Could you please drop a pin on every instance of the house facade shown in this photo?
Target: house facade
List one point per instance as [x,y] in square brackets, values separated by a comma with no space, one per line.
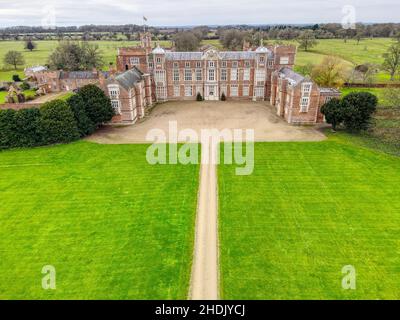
[261,74]
[298,99]
[57,81]
[130,93]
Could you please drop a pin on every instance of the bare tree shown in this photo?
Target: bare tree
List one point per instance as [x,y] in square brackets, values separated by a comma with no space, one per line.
[392,60]
[14,58]
[330,73]
[307,40]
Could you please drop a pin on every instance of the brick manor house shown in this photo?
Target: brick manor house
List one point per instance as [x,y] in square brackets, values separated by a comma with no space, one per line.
[261,74]
[145,75]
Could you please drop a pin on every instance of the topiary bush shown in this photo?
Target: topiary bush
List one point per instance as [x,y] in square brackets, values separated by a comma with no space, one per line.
[16,78]
[25,86]
[199,97]
[85,125]
[358,108]
[97,104]
[223,97]
[333,112]
[57,123]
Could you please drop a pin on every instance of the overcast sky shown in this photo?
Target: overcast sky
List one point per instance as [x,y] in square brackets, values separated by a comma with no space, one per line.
[191,12]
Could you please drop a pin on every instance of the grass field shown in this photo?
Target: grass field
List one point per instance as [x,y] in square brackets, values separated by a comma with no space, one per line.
[113,226]
[308,210]
[379,92]
[369,50]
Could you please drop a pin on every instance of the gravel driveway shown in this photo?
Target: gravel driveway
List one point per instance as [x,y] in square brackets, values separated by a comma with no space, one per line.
[210,115]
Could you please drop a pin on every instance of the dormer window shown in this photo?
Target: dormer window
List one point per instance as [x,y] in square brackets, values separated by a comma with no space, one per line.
[158,60]
[261,59]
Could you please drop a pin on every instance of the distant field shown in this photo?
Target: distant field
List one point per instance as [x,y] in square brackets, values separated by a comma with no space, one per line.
[45,48]
[369,50]
[113,226]
[308,210]
[379,92]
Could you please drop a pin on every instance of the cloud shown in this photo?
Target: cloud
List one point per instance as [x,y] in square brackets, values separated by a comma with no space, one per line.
[191,12]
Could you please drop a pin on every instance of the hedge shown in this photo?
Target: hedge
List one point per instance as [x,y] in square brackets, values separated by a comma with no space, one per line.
[56,121]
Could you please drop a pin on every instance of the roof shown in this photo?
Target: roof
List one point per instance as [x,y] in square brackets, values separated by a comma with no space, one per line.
[36,69]
[262,49]
[225,55]
[329,91]
[183,55]
[158,50]
[78,75]
[129,78]
[237,55]
[292,76]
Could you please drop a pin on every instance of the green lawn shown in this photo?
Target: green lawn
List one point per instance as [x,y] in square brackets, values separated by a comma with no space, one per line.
[308,210]
[379,92]
[113,226]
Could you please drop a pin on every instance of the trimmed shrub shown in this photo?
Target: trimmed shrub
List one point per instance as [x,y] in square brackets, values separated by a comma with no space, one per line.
[97,104]
[358,110]
[25,86]
[199,97]
[16,78]
[28,131]
[77,105]
[223,97]
[7,129]
[333,112]
[57,122]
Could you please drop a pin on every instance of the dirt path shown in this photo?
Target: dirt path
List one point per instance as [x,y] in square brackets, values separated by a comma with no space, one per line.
[204,281]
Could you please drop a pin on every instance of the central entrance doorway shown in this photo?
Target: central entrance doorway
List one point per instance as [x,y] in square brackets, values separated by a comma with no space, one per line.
[211,92]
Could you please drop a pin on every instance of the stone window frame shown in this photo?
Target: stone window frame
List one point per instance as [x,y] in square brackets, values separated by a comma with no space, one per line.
[189,91]
[246,91]
[234,93]
[199,75]
[188,75]
[176,75]
[246,74]
[177,91]
[224,75]
[234,75]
